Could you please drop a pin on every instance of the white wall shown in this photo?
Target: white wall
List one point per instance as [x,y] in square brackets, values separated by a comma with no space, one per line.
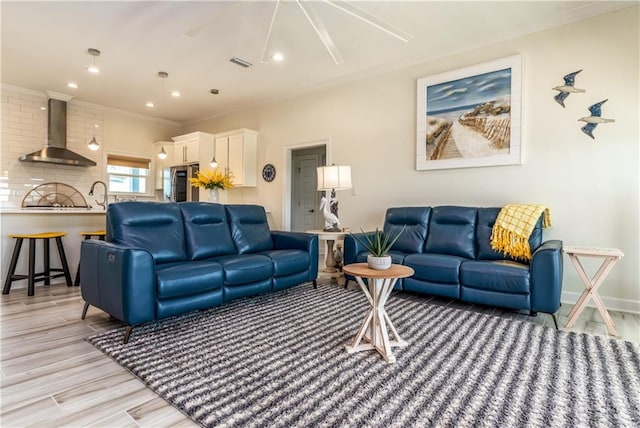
[591,186]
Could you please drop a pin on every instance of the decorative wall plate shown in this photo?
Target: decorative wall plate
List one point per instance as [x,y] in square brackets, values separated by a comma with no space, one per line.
[269,172]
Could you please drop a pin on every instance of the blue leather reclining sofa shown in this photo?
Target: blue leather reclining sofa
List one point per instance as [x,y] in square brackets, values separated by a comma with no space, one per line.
[165,259]
[449,249]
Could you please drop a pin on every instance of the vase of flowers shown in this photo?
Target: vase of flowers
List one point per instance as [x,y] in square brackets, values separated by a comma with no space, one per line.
[378,245]
[213,180]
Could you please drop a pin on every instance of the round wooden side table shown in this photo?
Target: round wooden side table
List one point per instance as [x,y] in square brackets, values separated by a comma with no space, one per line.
[374,331]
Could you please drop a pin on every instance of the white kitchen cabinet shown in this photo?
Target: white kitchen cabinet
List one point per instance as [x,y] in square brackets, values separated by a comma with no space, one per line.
[237,151]
[187,147]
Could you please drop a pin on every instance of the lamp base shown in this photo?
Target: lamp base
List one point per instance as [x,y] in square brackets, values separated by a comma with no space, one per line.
[332,229]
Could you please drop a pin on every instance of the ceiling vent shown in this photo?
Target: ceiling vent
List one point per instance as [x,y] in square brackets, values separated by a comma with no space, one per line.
[240,62]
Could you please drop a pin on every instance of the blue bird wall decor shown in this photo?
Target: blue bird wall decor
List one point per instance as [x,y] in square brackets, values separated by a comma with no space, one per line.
[567,88]
[594,119]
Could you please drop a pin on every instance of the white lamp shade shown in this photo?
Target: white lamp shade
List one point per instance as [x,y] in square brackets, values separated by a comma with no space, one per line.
[334,177]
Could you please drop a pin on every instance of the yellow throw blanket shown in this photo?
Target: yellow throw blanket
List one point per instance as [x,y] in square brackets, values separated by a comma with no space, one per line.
[513,227]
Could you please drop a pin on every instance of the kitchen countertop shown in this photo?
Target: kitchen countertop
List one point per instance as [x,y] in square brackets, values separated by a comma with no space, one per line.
[51,211]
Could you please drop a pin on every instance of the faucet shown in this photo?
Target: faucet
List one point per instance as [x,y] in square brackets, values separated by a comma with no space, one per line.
[105,201]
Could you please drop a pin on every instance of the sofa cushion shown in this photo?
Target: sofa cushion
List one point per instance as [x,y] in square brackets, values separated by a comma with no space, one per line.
[486,220]
[206,230]
[186,278]
[435,267]
[501,276]
[414,220]
[287,262]
[246,268]
[154,226]
[452,231]
[249,228]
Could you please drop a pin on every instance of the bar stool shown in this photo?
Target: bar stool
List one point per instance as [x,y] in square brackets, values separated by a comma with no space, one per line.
[32,276]
[100,234]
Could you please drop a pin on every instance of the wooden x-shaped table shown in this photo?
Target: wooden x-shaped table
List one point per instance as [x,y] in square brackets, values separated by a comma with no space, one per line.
[610,256]
[374,331]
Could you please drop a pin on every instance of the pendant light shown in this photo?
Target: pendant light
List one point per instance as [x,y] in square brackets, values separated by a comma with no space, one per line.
[214,162]
[93,144]
[162,75]
[94,53]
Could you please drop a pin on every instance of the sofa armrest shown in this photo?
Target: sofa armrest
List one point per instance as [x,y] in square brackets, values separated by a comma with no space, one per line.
[546,277]
[308,242]
[119,280]
[294,241]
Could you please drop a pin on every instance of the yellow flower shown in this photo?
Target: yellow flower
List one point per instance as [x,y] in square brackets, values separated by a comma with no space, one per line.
[212,179]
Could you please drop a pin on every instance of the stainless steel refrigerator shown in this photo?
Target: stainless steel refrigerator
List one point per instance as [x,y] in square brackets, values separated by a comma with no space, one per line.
[181,190]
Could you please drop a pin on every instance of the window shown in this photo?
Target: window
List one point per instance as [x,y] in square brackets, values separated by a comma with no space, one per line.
[127,174]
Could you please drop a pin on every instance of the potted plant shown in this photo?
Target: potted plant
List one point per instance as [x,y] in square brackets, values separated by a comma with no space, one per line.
[213,180]
[378,244]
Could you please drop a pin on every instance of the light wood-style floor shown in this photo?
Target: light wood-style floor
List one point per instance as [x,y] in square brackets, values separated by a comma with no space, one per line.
[52,377]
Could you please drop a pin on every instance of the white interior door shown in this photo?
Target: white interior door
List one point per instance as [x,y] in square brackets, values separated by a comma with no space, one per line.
[305,199]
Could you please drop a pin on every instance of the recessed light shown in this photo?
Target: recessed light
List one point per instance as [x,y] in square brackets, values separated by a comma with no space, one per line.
[73,85]
[150,104]
[277,56]
[175,94]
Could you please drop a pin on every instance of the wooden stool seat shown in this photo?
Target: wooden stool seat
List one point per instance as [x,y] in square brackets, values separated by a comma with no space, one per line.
[100,234]
[43,235]
[32,277]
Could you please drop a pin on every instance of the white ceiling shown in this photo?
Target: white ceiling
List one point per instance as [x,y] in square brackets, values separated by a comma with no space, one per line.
[44,46]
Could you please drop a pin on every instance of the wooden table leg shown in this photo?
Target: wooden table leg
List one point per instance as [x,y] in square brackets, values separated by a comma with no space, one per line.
[374,331]
[591,291]
[611,326]
[330,261]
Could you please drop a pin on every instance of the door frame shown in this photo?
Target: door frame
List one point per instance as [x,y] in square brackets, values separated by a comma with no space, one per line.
[287,183]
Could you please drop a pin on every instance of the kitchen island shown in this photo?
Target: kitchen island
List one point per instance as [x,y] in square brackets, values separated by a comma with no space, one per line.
[69,220]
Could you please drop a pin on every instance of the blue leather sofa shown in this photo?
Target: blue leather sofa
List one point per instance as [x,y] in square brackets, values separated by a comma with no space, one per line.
[165,259]
[449,249]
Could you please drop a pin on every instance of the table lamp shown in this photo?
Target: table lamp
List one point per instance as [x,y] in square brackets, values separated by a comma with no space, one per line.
[332,178]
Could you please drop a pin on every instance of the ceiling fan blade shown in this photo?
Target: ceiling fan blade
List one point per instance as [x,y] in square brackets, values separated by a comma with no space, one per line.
[370,19]
[267,43]
[321,31]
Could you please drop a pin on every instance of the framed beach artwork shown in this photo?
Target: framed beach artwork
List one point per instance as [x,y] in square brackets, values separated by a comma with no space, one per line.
[470,117]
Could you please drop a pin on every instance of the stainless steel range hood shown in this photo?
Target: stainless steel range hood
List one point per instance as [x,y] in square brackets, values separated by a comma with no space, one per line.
[56,151]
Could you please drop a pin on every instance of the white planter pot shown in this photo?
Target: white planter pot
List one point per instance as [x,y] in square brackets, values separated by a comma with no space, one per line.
[379,263]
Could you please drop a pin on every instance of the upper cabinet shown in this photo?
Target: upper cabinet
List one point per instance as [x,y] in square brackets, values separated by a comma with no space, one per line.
[237,151]
[187,146]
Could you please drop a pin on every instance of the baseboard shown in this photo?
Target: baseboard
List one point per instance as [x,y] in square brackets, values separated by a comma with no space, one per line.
[612,303]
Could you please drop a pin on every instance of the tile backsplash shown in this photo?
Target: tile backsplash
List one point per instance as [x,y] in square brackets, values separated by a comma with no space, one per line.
[24,130]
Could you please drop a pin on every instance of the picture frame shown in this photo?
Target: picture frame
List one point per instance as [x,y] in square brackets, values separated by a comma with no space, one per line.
[470,117]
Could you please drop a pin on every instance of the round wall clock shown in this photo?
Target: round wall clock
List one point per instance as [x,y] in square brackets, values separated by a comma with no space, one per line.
[269,172]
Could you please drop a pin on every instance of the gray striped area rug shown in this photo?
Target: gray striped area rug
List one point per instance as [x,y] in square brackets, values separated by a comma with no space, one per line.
[278,360]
